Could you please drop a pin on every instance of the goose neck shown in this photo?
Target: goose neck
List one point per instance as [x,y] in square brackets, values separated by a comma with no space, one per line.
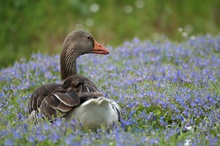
[68,64]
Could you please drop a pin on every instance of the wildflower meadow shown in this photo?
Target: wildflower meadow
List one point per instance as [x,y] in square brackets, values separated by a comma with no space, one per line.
[169,93]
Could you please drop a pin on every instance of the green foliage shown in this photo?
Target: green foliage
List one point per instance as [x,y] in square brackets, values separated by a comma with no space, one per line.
[28,27]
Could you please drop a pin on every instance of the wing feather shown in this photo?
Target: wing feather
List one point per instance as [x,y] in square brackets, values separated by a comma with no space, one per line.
[57,100]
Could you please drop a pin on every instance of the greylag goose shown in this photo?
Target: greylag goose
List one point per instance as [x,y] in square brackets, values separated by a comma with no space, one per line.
[76,97]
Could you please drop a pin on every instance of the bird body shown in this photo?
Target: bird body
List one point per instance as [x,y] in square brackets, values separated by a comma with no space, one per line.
[77,97]
[105,114]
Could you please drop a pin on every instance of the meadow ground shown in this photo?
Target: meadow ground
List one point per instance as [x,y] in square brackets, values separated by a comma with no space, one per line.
[169,93]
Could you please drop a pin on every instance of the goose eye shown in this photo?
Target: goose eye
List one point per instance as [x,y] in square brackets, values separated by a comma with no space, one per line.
[88,38]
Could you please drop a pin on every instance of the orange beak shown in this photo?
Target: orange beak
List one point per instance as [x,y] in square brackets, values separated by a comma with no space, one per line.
[99,49]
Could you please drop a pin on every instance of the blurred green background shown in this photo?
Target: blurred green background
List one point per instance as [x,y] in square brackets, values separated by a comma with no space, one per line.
[28,26]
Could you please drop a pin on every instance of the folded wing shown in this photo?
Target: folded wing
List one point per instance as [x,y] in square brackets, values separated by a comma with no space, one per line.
[57,100]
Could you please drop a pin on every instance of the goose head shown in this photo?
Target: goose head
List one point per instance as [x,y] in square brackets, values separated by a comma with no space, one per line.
[76,44]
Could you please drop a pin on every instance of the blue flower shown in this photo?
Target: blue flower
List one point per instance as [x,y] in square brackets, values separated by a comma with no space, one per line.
[9,142]
[41,137]
[159,85]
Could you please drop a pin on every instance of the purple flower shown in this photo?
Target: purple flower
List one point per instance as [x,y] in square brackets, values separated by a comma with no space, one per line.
[41,137]
[30,139]
[69,139]
[162,87]
[54,137]
[9,142]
